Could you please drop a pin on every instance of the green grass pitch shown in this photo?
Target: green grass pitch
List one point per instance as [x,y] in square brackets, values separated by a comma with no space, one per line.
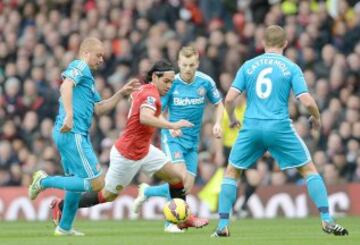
[247,231]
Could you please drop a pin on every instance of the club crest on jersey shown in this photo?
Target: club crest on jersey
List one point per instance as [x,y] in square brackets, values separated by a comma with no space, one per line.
[150,100]
[201,91]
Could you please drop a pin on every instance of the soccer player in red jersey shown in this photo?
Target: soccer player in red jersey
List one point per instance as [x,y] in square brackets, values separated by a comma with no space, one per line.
[133,151]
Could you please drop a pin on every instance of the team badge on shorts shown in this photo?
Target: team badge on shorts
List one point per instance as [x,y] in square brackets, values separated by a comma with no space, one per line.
[201,91]
[118,187]
[177,154]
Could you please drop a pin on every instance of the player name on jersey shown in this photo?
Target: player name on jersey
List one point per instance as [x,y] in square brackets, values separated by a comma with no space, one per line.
[269,61]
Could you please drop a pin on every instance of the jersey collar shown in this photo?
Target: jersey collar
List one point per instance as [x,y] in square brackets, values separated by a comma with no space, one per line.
[184,82]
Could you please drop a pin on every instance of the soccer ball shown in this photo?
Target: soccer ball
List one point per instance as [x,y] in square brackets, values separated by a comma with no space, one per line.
[176,211]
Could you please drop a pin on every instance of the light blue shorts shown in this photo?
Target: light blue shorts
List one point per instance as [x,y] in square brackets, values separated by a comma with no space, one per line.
[77,155]
[276,136]
[179,154]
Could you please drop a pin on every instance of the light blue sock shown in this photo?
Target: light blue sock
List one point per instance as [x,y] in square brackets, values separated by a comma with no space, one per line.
[227,199]
[67,183]
[71,203]
[318,194]
[158,191]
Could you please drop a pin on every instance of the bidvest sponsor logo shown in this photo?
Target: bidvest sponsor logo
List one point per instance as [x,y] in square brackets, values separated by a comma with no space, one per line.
[187,101]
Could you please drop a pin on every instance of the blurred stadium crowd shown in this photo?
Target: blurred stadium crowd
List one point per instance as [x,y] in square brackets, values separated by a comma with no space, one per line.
[39,38]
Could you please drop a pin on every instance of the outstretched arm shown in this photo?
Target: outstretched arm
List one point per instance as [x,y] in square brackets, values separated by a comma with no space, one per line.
[107,105]
[147,117]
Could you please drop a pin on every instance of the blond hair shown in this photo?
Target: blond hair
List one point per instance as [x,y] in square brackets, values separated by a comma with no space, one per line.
[88,43]
[188,51]
[275,36]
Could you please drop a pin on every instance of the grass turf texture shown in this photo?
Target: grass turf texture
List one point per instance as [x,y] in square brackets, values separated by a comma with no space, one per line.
[246,231]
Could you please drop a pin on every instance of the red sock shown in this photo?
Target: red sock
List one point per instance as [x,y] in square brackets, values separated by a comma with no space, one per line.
[179,185]
[177,191]
[101,197]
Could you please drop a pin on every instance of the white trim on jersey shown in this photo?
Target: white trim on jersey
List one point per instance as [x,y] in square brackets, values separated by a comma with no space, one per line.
[148,106]
[81,65]
[205,77]
[84,161]
[177,76]
[298,96]
[301,142]
[296,166]
[189,172]
[221,99]
[236,89]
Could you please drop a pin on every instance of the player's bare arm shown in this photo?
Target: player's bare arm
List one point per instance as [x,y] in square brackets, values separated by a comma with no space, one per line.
[107,105]
[219,157]
[217,129]
[147,117]
[66,91]
[230,107]
[308,101]
[173,132]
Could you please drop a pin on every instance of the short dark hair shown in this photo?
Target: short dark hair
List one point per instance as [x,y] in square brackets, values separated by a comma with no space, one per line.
[159,68]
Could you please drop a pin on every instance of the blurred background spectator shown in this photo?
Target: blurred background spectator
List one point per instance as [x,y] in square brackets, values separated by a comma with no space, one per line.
[39,38]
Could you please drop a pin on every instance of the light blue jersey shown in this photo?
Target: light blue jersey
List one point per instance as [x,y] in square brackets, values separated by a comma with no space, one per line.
[188,101]
[267,81]
[77,154]
[84,97]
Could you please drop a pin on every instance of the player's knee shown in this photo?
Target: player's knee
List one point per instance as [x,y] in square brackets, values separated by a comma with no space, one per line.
[189,182]
[232,172]
[308,169]
[253,177]
[179,175]
[175,180]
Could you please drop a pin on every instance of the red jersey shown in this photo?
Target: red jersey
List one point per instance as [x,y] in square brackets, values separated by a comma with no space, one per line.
[134,143]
